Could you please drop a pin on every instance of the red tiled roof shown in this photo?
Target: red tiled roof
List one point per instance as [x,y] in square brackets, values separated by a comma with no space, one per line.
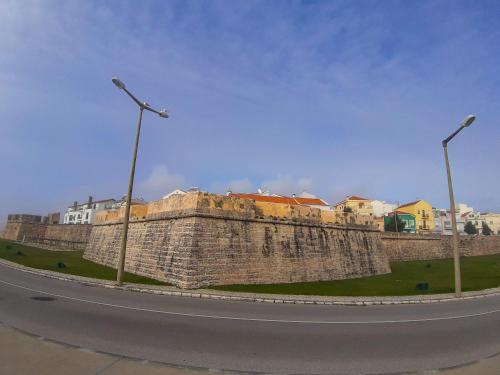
[357,198]
[352,198]
[410,204]
[285,200]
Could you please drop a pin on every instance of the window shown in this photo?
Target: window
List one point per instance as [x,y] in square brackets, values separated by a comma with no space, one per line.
[87,216]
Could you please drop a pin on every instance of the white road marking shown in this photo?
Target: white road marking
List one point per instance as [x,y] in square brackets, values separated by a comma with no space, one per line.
[252,319]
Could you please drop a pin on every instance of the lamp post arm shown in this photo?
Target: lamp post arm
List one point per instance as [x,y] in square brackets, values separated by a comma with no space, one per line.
[451,136]
[137,101]
[152,110]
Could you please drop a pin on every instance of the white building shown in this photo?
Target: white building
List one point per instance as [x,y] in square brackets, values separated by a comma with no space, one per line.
[85,213]
[175,192]
[447,228]
[442,221]
[480,219]
[382,208]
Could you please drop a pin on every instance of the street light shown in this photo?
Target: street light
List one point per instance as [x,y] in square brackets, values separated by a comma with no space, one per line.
[163,113]
[456,256]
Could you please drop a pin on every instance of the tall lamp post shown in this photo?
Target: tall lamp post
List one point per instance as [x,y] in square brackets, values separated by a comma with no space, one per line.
[456,256]
[163,113]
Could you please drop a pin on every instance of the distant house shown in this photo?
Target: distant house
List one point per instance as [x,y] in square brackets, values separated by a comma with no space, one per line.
[361,209]
[175,192]
[85,213]
[299,201]
[422,211]
[492,220]
[358,205]
[480,220]
[408,219]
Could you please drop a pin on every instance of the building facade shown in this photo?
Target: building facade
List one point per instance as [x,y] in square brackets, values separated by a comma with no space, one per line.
[86,213]
[422,211]
[360,207]
[493,221]
[408,219]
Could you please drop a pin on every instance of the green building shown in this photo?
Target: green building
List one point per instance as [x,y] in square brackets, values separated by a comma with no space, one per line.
[408,219]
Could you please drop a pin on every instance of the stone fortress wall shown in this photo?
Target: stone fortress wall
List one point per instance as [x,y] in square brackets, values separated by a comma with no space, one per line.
[411,246]
[201,239]
[31,230]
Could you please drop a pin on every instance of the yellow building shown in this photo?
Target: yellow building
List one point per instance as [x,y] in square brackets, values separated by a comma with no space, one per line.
[357,205]
[423,215]
[361,209]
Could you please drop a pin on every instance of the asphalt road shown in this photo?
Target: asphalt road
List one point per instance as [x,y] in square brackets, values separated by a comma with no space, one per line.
[252,337]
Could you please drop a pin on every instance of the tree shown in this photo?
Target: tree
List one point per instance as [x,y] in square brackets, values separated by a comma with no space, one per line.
[487,230]
[470,228]
[390,225]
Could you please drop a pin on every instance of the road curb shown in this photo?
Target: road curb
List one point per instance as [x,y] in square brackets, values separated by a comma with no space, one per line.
[254,297]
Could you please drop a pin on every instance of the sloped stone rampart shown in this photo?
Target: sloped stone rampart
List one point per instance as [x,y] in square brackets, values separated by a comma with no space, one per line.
[210,246]
[408,246]
[52,236]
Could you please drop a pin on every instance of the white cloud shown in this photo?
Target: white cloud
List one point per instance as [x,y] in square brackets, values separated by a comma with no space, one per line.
[286,185]
[161,182]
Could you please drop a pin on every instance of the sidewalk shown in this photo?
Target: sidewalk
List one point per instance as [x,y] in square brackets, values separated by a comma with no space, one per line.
[21,354]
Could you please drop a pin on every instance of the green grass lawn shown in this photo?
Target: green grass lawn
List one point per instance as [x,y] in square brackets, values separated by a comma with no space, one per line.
[479,272]
[73,260]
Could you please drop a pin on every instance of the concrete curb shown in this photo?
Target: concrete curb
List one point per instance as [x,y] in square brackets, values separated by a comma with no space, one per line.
[251,297]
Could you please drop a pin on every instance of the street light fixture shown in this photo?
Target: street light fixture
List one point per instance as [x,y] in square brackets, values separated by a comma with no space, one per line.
[163,113]
[456,256]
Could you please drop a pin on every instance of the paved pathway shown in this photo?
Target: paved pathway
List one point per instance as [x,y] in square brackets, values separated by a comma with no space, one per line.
[25,354]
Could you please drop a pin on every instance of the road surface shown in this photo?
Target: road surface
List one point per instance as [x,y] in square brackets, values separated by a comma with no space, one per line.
[252,337]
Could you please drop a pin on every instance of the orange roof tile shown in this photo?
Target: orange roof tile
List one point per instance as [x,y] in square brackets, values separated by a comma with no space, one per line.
[410,204]
[357,198]
[286,200]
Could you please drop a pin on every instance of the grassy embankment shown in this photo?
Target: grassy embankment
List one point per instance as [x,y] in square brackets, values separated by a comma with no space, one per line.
[477,273]
[73,261]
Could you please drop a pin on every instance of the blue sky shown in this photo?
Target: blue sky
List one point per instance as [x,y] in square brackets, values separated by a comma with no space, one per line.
[334,97]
